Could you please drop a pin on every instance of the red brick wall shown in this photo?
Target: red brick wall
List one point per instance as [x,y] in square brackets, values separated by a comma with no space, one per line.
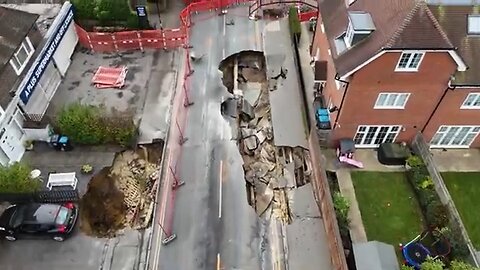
[425,87]
[449,113]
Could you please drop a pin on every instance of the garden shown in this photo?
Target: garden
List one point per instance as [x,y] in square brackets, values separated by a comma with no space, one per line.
[90,125]
[389,209]
[464,188]
[398,206]
[105,13]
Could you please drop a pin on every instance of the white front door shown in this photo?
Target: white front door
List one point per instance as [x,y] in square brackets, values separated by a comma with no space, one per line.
[11,140]
[372,136]
[454,136]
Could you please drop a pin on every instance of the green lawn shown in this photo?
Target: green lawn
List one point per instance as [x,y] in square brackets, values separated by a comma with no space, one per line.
[464,187]
[390,211]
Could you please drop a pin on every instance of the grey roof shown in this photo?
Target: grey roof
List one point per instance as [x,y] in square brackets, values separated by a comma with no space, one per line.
[375,255]
[14,26]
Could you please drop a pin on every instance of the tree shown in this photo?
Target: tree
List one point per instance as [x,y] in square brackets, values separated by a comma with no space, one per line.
[16,179]
[432,264]
[459,265]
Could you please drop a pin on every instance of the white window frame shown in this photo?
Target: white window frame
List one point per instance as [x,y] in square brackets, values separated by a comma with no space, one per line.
[447,129]
[395,106]
[29,50]
[465,106]
[409,61]
[390,127]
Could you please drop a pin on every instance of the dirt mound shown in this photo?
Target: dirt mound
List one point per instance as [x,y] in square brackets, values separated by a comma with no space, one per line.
[102,211]
[122,195]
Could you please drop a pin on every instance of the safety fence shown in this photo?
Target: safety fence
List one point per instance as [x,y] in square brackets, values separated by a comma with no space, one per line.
[132,40]
[307,15]
[165,38]
[323,197]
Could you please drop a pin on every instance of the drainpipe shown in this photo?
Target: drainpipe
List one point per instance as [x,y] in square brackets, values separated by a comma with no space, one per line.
[337,78]
[449,87]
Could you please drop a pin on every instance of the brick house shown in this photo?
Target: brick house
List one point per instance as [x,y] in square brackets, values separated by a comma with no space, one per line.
[396,67]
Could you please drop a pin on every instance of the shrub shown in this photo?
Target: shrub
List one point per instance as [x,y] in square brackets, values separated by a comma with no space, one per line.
[456,240]
[415,161]
[406,267]
[106,11]
[341,206]
[16,179]
[86,124]
[459,265]
[432,264]
[294,23]
[437,214]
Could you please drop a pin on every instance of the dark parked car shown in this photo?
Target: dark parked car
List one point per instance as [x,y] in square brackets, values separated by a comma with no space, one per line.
[38,220]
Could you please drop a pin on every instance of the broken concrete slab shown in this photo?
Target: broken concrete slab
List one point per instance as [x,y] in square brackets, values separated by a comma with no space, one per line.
[247,132]
[264,196]
[251,91]
[261,136]
[251,143]
[289,174]
[246,111]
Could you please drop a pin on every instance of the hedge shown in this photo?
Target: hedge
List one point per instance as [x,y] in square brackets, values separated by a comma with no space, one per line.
[435,212]
[89,125]
[294,23]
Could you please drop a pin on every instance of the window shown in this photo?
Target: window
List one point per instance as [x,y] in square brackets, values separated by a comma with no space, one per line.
[454,136]
[391,101]
[473,24]
[472,101]
[372,136]
[20,58]
[409,61]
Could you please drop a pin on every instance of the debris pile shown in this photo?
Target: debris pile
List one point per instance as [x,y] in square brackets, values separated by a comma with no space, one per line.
[121,195]
[270,171]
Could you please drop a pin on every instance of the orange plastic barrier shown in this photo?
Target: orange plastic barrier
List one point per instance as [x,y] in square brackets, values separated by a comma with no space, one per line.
[305,16]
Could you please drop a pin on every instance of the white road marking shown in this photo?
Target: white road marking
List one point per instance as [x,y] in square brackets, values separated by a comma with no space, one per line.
[220,190]
[218,261]
[223,53]
[224,25]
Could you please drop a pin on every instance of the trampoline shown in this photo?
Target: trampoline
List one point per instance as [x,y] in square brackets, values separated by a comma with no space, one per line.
[415,254]
[428,244]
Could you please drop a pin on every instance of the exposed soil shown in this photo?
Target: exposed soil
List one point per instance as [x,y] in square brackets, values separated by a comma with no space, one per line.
[102,210]
[122,195]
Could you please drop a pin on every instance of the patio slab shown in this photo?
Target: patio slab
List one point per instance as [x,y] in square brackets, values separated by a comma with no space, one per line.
[367,156]
[457,160]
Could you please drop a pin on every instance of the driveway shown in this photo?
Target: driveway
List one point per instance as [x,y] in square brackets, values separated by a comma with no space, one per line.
[80,252]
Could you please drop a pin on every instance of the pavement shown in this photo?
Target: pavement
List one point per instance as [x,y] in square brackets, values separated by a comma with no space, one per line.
[288,119]
[306,234]
[215,226]
[466,160]
[80,252]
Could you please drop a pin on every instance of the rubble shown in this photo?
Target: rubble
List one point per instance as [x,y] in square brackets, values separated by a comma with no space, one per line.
[122,195]
[269,173]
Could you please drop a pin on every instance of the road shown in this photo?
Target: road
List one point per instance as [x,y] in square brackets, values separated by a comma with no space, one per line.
[215,226]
